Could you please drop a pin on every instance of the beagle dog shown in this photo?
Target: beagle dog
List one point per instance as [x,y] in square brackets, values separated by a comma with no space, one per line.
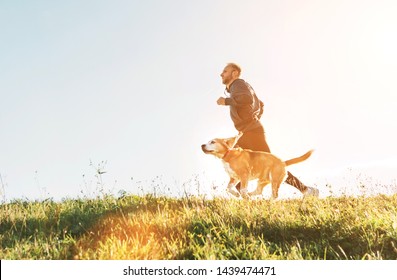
[244,165]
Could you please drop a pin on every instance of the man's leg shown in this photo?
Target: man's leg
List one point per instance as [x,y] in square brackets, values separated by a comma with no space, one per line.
[305,190]
[254,140]
[293,181]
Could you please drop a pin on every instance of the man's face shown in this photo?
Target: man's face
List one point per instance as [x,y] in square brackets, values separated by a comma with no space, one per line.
[227,75]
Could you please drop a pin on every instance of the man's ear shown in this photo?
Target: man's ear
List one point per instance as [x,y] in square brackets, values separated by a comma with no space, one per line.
[235,74]
[231,142]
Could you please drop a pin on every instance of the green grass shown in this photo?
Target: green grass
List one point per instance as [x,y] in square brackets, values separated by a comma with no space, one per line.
[146,227]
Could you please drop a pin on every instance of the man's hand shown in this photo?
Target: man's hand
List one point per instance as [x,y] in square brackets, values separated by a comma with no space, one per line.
[221,101]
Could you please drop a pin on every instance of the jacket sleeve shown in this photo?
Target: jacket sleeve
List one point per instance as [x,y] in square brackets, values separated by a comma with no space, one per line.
[241,95]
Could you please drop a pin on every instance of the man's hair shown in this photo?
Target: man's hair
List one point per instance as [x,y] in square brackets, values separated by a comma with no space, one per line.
[234,66]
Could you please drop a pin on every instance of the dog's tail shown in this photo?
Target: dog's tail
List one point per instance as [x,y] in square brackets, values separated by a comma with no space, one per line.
[299,159]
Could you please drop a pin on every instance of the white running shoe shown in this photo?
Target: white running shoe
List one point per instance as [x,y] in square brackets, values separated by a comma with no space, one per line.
[311,192]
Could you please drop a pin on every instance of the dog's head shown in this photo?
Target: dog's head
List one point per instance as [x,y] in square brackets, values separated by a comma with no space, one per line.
[219,146]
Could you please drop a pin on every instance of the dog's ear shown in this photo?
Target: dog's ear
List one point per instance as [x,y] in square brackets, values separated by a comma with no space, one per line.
[231,142]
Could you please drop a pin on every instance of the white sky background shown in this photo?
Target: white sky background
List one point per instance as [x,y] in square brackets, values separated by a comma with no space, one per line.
[135,84]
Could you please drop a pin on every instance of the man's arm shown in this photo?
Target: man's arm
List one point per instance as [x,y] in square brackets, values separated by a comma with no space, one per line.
[241,96]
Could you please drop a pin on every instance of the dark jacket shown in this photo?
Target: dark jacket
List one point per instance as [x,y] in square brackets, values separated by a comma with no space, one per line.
[245,107]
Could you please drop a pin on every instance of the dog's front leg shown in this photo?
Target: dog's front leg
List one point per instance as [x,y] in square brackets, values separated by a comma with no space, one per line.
[231,187]
[244,188]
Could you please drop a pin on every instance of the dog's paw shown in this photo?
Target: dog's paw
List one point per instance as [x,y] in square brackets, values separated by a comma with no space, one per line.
[244,193]
[255,193]
[233,192]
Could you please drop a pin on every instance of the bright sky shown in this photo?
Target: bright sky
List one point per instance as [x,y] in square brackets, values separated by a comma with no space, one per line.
[134,84]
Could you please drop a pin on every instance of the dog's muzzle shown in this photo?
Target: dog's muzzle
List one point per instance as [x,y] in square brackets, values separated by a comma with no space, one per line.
[203,147]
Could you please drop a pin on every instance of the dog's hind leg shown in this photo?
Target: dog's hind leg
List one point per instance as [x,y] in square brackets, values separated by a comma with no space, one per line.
[275,187]
[277,177]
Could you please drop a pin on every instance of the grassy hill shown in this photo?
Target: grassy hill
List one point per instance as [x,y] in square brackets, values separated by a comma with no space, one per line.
[148,227]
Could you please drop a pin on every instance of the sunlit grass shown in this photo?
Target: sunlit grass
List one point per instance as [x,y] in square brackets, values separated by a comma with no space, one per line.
[148,227]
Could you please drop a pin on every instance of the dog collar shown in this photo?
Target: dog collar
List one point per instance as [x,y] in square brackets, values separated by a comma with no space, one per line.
[227,152]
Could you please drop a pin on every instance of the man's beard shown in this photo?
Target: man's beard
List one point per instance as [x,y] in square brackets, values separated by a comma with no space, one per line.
[226,80]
